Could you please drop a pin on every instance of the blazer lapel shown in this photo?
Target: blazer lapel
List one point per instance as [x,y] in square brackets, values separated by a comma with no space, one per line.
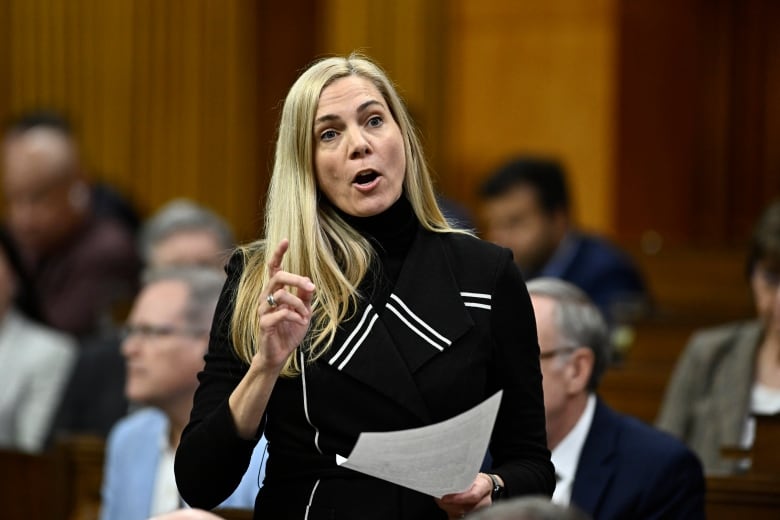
[595,469]
[426,313]
[383,345]
[736,384]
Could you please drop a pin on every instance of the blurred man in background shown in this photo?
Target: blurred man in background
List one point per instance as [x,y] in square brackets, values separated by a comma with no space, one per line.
[83,263]
[609,465]
[526,209]
[180,233]
[183,232]
[164,341]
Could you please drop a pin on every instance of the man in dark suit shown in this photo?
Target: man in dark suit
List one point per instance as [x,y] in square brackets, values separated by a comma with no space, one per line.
[609,465]
[526,209]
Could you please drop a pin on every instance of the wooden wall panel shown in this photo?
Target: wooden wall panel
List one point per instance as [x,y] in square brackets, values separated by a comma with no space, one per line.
[649,103]
[534,76]
[697,135]
[170,98]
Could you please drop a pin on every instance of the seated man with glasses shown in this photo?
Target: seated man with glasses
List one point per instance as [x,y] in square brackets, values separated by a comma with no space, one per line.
[163,342]
[608,465]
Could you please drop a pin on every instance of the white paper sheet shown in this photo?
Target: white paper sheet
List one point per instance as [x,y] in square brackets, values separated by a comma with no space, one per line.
[437,459]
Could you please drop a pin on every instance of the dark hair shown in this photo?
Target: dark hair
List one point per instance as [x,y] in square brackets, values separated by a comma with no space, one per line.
[765,242]
[39,118]
[546,176]
[24,299]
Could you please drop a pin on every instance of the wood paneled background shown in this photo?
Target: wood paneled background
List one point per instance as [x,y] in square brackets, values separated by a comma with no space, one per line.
[666,113]
[169,98]
[698,133]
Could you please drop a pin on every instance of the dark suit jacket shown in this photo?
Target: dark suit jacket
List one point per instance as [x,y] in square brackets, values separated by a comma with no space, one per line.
[605,273]
[94,399]
[629,470]
[457,327]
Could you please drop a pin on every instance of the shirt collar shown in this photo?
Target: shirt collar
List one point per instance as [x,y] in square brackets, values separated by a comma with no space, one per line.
[567,453]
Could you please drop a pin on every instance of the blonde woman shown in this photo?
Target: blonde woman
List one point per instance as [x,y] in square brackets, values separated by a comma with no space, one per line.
[360,310]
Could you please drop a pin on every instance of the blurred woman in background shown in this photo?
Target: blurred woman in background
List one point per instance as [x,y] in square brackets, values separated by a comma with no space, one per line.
[729,373]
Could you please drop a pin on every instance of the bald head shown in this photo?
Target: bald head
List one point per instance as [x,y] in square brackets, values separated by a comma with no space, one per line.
[40,151]
[46,199]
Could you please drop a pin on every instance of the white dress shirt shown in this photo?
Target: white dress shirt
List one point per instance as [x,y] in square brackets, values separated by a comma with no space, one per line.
[764,400]
[566,454]
[166,495]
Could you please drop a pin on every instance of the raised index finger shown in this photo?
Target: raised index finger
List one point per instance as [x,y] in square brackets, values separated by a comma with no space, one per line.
[276,259]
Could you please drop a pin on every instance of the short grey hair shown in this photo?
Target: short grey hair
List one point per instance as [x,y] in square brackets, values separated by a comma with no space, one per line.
[528,508]
[181,215]
[204,285]
[578,321]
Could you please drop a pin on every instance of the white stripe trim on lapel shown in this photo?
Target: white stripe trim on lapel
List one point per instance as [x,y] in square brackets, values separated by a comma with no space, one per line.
[352,335]
[419,321]
[359,342]
[476,296]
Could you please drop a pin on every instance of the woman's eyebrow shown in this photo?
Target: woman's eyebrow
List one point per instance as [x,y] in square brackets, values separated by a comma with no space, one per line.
[333,117]
[327,118]
[367,104]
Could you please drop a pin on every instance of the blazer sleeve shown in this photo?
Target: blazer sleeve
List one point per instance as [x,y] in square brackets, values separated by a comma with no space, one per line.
[686,385]
[519,443]
[112,481]
[212,458]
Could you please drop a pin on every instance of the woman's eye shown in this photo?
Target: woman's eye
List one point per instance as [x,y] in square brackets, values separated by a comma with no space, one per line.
[327,135]
[375,121]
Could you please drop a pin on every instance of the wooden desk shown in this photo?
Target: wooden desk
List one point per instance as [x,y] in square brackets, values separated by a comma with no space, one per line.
[743,496]
[756,494]
[81,460]
[30,487]
[61,484]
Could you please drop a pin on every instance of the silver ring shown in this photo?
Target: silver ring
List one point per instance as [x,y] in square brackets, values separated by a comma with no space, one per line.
[271,302]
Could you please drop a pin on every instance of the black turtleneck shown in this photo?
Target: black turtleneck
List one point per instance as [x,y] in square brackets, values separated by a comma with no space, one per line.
[391,233]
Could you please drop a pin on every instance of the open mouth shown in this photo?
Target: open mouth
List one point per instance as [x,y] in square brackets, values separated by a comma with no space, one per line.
[366,177]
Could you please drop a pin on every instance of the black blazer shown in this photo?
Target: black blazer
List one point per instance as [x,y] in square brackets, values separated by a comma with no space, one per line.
[457,326]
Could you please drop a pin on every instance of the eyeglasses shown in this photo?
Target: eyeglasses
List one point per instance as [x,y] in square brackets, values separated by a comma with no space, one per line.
[154,332]
[556,352]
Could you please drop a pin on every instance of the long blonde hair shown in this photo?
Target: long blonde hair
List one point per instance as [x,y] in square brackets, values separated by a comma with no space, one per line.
[322,246]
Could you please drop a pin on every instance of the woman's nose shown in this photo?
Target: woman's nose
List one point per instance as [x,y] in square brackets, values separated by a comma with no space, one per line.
[359,145]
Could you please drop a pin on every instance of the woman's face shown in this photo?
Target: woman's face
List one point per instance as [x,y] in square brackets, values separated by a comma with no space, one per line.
[359,156]
[766,295]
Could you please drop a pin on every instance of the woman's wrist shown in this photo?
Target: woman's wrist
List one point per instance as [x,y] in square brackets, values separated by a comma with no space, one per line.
[496,486]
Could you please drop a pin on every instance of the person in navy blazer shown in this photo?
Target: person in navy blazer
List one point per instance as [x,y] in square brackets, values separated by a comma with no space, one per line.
[527,209]
[609,465]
